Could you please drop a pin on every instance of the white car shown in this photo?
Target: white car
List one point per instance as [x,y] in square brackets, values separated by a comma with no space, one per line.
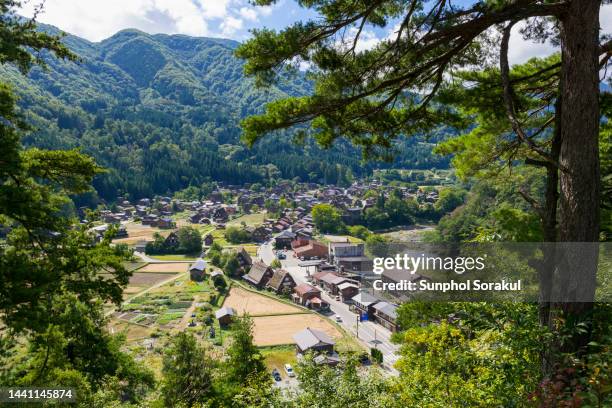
[289,370]
[338,318]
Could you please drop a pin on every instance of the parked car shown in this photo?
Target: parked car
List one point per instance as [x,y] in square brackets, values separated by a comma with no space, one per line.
[193,315]
[364,359]
[281,255]
[276,375]
[289,370]
[337,297]
[339,318]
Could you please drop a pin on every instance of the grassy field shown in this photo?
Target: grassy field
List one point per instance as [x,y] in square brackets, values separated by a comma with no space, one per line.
[278,356]
[218,237]
[250,248]
[132,266]
[412,234]
[338,238]
[348,343]
[251,220]
[132,332]
[175,257]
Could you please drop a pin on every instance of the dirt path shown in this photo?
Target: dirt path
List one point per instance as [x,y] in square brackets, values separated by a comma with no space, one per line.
[187,316]
[147,290]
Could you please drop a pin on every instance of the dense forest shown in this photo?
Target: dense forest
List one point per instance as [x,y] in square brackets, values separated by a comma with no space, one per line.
[162,112]
[57,285]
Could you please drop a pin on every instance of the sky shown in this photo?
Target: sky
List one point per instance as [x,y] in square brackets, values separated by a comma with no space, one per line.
[96,20]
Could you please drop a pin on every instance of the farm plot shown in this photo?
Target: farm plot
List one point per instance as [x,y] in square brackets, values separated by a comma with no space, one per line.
[138,232]
[132,331]
[251,220]
[244,301]
[140,281]
[169,267]
[275,330]
[144,279]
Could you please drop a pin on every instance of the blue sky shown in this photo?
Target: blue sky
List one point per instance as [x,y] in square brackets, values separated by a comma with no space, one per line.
[99,19]
[96,20]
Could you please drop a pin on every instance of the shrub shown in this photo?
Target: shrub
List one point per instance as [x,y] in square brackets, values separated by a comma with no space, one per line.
[377,355]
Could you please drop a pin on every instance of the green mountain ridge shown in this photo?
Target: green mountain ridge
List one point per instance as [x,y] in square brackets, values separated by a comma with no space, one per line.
[162,112]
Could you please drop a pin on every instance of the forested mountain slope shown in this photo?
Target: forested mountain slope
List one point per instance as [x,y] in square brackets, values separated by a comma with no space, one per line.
[162,112]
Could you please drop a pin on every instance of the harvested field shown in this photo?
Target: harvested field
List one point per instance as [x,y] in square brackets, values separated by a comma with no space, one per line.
[166,267]
[138,232]
[132,331]
[148,279]
[274,330]
[130,290]
[256,305]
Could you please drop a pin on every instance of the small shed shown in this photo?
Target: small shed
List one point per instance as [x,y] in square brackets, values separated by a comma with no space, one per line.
[196,270]
[347,291]
[225,315]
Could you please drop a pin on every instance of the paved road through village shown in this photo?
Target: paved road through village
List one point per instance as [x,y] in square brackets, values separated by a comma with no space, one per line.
[369,333]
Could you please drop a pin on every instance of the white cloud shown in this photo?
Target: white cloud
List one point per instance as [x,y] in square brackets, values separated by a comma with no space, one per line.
[214,8]
[366,41]
[230,25]
[605,19]
[97,20]
[248,13]
[521,50]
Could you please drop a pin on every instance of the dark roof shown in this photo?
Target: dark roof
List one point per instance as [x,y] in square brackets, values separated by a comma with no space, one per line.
[364,298]
[309,338]
[332,279]
[386,308]
[243,252]
[257,273]
[305,288]
[225,311]
[346,285]
[321,275]
[286,234]
[277,279]
[199,265]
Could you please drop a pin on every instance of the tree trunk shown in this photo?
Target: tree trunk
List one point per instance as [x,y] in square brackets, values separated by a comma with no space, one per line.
[579,162]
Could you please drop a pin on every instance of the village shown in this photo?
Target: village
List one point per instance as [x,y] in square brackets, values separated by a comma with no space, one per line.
[304,290]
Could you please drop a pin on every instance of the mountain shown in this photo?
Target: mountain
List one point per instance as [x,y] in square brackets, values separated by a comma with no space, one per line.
[161,112]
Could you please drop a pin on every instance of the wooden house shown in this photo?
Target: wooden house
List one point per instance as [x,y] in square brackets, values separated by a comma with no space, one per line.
[281,282]
[259,274]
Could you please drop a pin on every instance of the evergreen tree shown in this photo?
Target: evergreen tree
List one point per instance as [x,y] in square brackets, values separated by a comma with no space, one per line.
[244,359]
[51,287]
[396,88]
[187,373]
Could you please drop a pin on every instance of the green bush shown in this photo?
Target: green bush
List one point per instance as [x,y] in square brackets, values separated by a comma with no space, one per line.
[377,355]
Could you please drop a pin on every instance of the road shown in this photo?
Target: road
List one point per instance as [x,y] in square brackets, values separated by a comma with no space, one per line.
[369,333]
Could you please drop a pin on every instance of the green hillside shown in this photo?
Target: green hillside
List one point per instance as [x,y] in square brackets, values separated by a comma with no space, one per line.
[162,112]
